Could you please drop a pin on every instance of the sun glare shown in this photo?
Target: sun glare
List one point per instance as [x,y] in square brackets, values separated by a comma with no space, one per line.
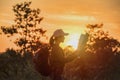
[73,40]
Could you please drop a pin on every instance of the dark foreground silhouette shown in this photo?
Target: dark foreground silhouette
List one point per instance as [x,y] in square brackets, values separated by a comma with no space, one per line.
[99,60]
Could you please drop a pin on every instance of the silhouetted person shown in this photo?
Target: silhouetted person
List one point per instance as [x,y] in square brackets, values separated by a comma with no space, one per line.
[58,59]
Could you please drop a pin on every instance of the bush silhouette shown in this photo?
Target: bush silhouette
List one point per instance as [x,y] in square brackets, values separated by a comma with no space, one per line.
[16,67]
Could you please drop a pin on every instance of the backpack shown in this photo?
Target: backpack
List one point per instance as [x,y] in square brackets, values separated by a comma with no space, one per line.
[41,61]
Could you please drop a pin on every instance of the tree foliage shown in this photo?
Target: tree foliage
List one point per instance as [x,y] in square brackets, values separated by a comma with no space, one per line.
[99,61]
[26,27]
[100,40]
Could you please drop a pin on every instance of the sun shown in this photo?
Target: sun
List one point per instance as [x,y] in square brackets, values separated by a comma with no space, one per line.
[73,40]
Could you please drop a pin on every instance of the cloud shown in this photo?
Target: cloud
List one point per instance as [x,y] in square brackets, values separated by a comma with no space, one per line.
[70,17]
[4,14]
[7,21]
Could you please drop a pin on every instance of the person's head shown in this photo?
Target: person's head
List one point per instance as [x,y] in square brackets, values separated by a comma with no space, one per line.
[58,36]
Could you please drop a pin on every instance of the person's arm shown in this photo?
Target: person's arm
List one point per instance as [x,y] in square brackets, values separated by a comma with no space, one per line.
[73,56]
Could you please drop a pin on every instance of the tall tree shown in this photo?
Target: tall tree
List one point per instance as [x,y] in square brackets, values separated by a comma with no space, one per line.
[26,27]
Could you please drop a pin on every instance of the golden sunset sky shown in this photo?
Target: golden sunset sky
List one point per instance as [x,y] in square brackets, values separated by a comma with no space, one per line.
[70,15]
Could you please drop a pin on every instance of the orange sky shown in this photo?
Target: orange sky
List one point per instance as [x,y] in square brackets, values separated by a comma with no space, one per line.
[70,15]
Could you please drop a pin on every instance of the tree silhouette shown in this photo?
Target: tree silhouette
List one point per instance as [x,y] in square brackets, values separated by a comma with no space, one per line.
[26,27]
[106,50]
[14,65]
[100,60]
[101,40]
